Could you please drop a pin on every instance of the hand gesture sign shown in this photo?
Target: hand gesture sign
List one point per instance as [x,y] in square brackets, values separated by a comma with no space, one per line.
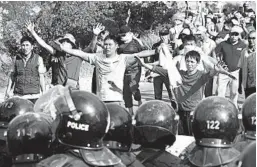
[98,28]
[30,26]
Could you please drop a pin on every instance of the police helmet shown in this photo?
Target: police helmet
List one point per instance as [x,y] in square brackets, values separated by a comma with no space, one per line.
[249,116]
[156,125]
[29,137]
[120,134]
[82,122]
[215,122]
[11,108]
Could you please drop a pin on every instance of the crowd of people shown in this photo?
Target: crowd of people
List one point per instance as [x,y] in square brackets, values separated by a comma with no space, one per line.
[198,59]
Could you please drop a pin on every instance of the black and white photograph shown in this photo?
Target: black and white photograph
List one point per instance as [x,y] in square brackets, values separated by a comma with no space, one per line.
[128,83]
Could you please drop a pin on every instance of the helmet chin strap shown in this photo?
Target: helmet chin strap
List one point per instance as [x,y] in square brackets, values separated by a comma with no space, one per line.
[73,110]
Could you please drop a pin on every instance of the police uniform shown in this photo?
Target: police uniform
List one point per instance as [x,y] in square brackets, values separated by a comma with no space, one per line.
[82,120]
[156,125]
[215,125]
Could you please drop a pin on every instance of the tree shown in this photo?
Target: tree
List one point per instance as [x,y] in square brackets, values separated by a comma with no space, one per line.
[55,18]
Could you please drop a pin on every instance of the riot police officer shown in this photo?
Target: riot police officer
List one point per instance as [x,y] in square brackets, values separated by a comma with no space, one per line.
[249,122]
[28,138]
[82,121]
[8,110]
[120,135]
[155,129]
[215,125]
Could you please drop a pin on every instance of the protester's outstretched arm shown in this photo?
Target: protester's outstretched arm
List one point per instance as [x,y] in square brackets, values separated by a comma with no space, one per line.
[166,50]
[208,61]
[142,54]
[139,41]
[96,30]
[156,69]
[155,63]
[141,63]
[78,53]
[217,67]
[30,26]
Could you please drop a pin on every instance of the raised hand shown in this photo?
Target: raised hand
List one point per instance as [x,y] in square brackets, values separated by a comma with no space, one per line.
[98,28]
[57,45]
[30,26]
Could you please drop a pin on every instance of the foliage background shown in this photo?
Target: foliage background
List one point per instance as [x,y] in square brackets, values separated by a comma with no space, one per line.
[55,18]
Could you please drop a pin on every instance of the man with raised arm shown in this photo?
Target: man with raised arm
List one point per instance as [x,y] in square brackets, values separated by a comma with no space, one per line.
[191,91]
[110,68]
[65,68]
